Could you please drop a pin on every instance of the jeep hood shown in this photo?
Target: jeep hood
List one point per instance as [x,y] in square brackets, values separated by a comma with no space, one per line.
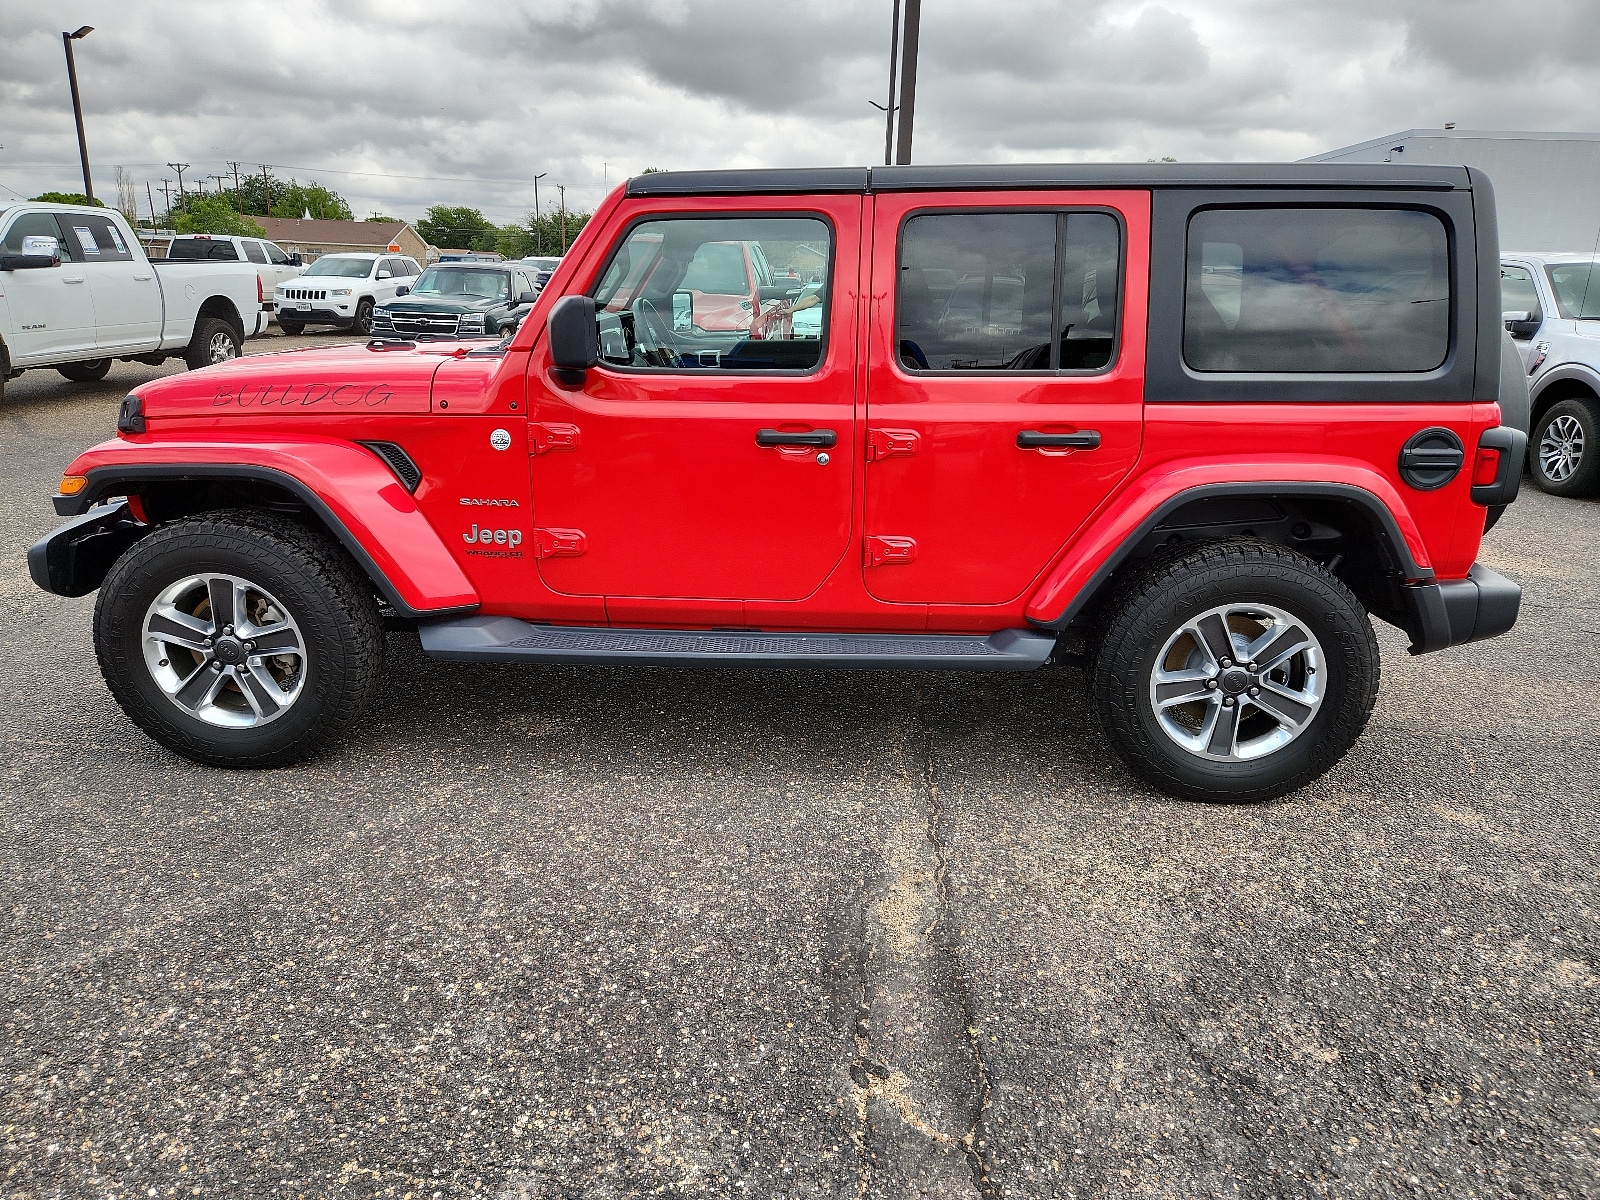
[305,384]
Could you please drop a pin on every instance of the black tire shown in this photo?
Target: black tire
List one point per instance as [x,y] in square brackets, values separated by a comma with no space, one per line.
[92,371]
[323,593]
[1569,464]
[291,328]
[214,341]
[1155,607]
[362,323]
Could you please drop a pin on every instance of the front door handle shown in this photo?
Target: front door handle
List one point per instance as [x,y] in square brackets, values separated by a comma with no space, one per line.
[72,279]
[824,438]
[1083,439]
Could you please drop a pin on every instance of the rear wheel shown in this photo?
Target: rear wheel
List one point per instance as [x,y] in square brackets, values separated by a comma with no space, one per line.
[1239,671]
[214,341]
[238,639]
[91,371]
[1564,450]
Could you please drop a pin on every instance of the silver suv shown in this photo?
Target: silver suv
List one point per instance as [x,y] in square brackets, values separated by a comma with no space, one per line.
[1551,306]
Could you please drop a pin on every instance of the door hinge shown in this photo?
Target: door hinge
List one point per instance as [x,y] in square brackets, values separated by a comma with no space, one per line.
[552,436]
[558,543]
[888,551]
[891,443]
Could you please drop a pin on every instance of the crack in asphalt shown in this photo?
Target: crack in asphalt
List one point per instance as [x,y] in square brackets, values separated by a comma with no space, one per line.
[946,940]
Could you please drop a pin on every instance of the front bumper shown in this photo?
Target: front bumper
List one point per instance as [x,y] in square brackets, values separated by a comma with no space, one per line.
[75,558]
[315,316]
[1483,605]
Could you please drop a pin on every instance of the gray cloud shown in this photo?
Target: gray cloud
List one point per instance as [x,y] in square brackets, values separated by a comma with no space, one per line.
[367,93]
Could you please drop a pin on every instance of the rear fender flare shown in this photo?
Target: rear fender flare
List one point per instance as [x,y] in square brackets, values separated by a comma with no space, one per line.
[1098,551]
[346,487]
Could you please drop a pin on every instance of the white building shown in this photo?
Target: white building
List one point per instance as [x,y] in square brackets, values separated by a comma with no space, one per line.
[1546,185]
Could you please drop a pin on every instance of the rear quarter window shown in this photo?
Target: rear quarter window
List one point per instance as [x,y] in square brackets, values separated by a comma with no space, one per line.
[1316,290]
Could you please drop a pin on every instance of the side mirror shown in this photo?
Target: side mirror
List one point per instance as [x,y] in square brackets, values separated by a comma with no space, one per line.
[527,297]
[38,253]
[385,274]
[402,290]
[295,260]
[574,338]
[1520,321]
[682,312]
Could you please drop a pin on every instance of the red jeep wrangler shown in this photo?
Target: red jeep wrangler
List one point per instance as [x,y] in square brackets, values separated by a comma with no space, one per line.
[1198,421]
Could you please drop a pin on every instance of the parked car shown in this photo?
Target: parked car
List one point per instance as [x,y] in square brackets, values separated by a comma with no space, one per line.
[1551,305]
[77,292]
[274,265]
[343,289]
[540,268]
[458,299]
[1281,421]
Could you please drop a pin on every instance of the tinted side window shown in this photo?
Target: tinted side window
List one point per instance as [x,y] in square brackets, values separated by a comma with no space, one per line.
[1517,292]
[254,252]
[275,255]
[676,295]
[33,225]
[93,239]
[1292,290]
[979,291]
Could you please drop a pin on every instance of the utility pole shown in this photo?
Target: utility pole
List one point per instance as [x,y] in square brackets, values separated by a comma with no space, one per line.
[538,233]
[150,196]
[908,81]
[77,105]
[562,188]
[220,180]
[180,168]
[266,182]
[889,108]
[166,192]
[238,196]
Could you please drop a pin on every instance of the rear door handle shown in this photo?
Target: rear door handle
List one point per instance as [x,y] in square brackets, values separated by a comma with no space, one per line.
[814,437]
[1083,439]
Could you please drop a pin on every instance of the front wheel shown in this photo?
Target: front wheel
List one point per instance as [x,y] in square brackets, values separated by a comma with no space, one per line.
[1239,671]
[214,341]
[91,371]
[239,639]
[363,320]
[1564,451]
[290,328]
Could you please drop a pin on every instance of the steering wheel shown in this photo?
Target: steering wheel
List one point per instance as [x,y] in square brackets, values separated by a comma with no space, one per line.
[665,351]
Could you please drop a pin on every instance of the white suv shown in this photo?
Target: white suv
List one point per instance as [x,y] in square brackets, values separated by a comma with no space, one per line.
[342,289]
[1551,305]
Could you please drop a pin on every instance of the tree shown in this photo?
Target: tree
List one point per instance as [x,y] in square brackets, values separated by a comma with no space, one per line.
[458,228]
[290,198]
[216,214]
[380,219]
[66,198]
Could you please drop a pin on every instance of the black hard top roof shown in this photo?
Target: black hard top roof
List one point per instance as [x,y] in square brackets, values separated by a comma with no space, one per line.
[1049,175]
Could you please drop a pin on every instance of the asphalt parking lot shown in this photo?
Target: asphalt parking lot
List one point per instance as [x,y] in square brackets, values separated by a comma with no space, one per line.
[541,933]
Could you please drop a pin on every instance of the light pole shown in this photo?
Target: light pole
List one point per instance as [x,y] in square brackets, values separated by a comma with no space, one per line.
[77,105]
[538,233]
[908,80]
[889,108]
[562,188]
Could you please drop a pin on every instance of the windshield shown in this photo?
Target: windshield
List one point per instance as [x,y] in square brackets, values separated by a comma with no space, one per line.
[344,268]
[545,263]
[456,281]
[1577,288]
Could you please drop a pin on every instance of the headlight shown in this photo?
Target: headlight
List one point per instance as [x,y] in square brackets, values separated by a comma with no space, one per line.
[339,292]
[471,323]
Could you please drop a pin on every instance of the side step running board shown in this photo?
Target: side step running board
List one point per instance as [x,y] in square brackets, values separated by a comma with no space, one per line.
[496,639]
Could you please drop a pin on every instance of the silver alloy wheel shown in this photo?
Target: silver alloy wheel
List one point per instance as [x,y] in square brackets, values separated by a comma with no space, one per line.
[1238,682]
[1561,448]
[222,347]
[225,651]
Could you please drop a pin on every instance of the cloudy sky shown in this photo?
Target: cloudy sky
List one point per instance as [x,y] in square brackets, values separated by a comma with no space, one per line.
[402,103]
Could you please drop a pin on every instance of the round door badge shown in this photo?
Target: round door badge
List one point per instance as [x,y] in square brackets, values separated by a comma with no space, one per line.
[500,440]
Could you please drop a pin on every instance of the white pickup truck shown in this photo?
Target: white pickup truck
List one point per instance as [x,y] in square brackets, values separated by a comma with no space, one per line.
[275,265]
[1551,305]
[77,292]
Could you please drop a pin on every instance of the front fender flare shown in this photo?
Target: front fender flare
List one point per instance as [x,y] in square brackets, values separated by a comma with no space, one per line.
[346,486]
[1582,372]
[1095,554]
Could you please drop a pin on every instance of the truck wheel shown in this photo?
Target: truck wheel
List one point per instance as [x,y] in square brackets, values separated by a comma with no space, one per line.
[363,319]
[239,638]
[1565,448]
[214,341]
[1239,671]
[92,371]
[290,328]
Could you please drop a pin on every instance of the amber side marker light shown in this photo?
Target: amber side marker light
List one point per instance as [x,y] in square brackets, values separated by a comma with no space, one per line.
[71,485]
